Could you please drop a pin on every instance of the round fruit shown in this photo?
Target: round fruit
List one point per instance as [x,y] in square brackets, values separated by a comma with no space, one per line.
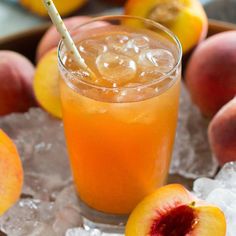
[51,38]
[172,210]
[211,72]
[11,172]
[16,78]
[222,133]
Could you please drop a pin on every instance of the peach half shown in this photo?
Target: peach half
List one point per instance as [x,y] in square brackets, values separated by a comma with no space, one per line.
[64,7]
[172,211]
[46,84]
[185,18]
[11,171]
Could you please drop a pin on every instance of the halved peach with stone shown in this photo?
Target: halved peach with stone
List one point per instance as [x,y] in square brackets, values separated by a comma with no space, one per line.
[185,18]
[46,84]
[172,211]
[11,172]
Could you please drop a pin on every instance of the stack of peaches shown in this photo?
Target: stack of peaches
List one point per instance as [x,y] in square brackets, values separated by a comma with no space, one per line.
[210,77]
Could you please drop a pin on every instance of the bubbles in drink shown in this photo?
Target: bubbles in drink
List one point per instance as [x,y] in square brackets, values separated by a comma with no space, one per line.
[116,42]
[118,69]
[150,75]
[126,95]
[160,58]
[135,91]
[138,112]
[92,47]
[131,85]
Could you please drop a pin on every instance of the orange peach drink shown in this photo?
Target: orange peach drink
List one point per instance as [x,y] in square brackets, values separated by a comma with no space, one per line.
[120,125]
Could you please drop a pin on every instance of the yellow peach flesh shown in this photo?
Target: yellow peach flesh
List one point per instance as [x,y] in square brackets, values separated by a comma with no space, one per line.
[11,171]
[64,7]
[173,206]
[46,84]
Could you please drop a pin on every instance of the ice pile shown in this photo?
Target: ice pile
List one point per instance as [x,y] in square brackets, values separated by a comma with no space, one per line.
[35,217]
[192,157]
[83,232]
[49,205]
[41,144]
[221,192]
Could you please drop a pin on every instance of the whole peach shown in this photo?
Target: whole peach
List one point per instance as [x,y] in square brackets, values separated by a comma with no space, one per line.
[16,77]
[211,72]
[51,38]
[222,133]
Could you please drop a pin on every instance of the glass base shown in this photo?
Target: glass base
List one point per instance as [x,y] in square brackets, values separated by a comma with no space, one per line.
[106,223]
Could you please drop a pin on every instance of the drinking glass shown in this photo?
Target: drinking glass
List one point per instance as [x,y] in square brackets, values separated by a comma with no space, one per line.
[119,127]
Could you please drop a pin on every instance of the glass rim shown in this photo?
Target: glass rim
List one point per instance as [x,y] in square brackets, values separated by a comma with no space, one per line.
[143,85]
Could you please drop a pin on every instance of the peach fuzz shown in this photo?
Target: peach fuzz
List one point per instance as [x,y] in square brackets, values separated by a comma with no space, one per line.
[172,210]
[11,180]
[52,38]
[222,133]
[46,84]
[16,77]
[211,72]
[63,7]
[185,18]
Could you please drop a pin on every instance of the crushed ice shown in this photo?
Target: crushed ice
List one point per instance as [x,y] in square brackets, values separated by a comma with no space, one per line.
[221,192]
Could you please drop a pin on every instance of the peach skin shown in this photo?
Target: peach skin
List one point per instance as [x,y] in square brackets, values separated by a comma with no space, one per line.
[11,171]
[51,38]
[222,133]
[16,78]
[211,73]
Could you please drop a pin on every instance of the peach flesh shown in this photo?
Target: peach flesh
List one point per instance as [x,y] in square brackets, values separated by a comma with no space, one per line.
[166,12]
[176,222]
